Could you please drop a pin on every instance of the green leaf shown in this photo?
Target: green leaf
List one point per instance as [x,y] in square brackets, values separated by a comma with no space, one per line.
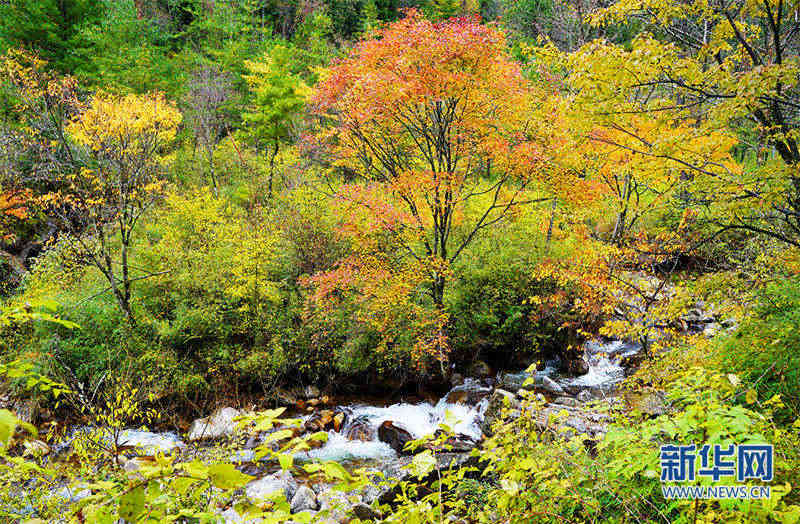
[131,504]
[226,476]
[286,460]
[422,464]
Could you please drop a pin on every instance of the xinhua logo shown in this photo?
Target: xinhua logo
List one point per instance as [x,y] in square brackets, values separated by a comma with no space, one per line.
[743,462]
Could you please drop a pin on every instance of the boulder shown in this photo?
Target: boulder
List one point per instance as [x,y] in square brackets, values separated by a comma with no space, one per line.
[548,384]
[651,403]
[567,401]
[326,419]
[35,448]
[395,436]
[584,395]
[519,381]
[456,379]
[304,499]
[459,443]
[360,429]
[285,397]
[149,444]
[311,391]
[480,369]
[221,423]
[364,512]
[264,488]
[27,410]
[469,393]
[578,366]
[499,399]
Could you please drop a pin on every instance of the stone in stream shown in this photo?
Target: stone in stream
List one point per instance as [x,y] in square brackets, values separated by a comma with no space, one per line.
[364,512]
[311,391]
[650,403]
[578,366]
[456,379]
[326,419]
[584,395]
[285,397]
[304,499]
[480,369]
[469,393]
[149,444]
[221,423]
[457,443]
[395,436]
[519,381]
[499,399]
[360,429]
[265,488]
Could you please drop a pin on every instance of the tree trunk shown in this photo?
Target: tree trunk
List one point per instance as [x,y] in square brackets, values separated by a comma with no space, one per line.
[619,227]
[550,225]
[437,290]
[273,154]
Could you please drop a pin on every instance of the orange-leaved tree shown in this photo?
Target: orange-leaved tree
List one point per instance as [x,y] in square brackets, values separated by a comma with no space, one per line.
[438,129]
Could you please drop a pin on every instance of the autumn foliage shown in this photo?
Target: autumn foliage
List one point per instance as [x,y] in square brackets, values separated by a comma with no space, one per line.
[435,121]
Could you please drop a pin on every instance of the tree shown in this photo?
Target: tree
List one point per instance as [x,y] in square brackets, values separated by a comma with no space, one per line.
[725,68]
[208,94]
[120,140]
[278,99]
[48,27]
[436,115]
[434,122]
[96,168]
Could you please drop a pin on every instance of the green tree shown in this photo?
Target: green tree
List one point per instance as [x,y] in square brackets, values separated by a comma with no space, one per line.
[278,99]
[50,27]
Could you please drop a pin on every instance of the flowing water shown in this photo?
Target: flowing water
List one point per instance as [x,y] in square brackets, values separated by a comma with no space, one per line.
[461,410]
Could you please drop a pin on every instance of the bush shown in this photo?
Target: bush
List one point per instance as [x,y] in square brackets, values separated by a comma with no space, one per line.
[765,349]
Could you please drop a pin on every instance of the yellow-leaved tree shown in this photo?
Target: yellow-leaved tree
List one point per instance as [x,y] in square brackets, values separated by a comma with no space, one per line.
[117,143]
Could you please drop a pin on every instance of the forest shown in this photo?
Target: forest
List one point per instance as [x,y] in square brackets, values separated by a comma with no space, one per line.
[402,261]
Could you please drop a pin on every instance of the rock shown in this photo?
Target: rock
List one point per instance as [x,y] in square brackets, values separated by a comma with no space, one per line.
[134,464]
[149,444]
[35,448]
[711,329]
[567,401]
[334,504]
[219,424]
[285,397]
[304,499]
[325,420]
[548,384]
[520,381]
[480,369]
[584,396]
[459,443]
[469,393]
[74,493]
[338,421]
[231,516]
[395,436]
[574,421]
[264,488]
[360,429]
[364,512]
[27,410]
[499,399]
[578,366]
[311,391]
[512,381]
[648,402]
